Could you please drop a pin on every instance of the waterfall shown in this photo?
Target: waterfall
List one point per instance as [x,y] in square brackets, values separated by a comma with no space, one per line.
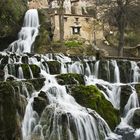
[132,101]
[62,118]
[20,73]
[136,70]
[27,34]
[116,72]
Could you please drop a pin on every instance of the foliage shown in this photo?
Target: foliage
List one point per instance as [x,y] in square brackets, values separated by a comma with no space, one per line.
[73,43]
[132,38]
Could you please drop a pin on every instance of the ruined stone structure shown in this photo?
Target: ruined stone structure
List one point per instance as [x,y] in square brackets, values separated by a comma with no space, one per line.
[77,21]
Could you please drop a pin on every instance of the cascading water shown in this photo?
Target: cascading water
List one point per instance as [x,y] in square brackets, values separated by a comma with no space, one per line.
[27,35]
[62,117]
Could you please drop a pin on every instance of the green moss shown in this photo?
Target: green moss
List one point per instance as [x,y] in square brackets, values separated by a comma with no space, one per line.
[26,72]
[37,83]
[7,112]
[91,97]
[70,78]
[35,70]
[54,67]
[73,43]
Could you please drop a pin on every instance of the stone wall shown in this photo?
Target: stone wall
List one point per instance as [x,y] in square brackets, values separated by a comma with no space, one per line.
[85,24]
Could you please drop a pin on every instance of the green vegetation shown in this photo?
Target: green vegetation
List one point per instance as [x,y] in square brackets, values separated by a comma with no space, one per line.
[132,38]
[54,67]
[73,43]
[70,78]
[91,97]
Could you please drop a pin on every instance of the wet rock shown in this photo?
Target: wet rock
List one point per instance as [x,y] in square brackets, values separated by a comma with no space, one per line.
[104,72]
[127,133]
[136,119]
[125,71]
[37,83]
[54,67]
[40,102]
[126,91]
[35,70]
[137,87]
[2,74]
[70,79]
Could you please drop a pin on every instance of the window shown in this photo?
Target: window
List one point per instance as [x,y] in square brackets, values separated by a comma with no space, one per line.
[76,30]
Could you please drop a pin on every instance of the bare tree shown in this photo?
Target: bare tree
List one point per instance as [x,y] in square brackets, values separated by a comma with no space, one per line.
[61,19]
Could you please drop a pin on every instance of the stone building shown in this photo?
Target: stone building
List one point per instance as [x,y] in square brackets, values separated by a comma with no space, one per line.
[77,21]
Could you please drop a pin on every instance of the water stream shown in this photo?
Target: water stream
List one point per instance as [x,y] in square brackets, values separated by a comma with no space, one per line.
[63,118]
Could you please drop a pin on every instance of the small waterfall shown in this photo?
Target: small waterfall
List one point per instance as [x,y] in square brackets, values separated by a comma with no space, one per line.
[20,73]
[116,72]
[96,68]
[136,71]
[27,34]
[132,101]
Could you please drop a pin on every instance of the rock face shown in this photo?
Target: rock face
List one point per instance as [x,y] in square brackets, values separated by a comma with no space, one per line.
[11,18]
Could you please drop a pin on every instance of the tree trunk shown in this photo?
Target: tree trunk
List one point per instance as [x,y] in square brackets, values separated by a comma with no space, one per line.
[121,39]
[61,23]
[121,26]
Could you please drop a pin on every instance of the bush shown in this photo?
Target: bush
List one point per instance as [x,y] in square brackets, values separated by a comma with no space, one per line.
[132,39]
[72,44]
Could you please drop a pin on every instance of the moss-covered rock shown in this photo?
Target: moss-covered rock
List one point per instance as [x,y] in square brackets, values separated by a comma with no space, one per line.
[11,18]
[125,94]
[37,83]
[70,78]
[104,72]
[35,70]
[125,71]
[54,67]
[137,87]
[40,102]
[26,71]
[8,122]
[45,32]
[91,97]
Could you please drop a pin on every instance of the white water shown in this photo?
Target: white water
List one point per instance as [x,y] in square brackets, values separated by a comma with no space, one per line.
[27,34]
[88,124]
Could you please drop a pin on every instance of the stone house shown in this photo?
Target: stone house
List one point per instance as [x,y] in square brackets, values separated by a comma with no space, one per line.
[77,22]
